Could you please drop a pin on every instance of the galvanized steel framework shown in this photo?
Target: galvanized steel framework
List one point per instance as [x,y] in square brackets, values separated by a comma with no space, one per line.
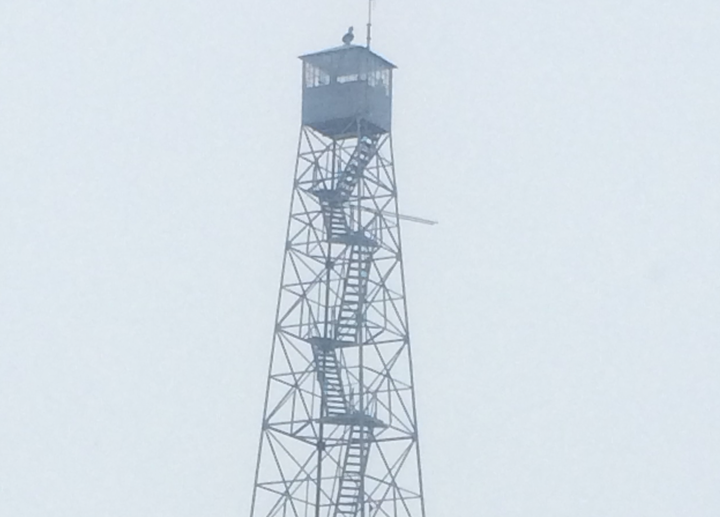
[339,433]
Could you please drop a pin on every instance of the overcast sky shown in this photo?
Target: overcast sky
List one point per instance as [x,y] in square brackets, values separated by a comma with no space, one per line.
[565,312]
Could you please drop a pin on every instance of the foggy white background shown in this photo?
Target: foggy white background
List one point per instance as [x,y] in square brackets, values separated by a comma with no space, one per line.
[564,313]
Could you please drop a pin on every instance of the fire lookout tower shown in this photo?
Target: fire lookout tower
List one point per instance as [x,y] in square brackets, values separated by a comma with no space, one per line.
[339,431]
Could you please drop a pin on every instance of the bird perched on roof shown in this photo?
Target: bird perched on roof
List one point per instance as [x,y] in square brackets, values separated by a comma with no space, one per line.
[349,36]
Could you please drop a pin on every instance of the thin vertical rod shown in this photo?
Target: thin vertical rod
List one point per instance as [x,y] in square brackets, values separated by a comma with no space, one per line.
[369,23]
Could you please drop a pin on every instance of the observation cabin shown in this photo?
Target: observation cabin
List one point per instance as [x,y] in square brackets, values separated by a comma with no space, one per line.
[347,90]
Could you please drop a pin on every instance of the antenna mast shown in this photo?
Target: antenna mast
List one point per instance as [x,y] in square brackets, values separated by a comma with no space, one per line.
[369,24]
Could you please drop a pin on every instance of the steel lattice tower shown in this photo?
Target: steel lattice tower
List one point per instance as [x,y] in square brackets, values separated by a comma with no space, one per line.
[339,432]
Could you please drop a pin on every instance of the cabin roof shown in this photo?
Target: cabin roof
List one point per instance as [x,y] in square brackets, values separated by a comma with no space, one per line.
[352,54]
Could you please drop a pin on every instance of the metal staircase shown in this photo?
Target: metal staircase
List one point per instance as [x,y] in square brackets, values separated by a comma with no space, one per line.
[360,158]
[328,372]
[335,219]
[354,291]
[350,490]
[339,408]
[333,201]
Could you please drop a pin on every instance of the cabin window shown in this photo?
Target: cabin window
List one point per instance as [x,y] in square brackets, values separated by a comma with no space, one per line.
[351,78]
[377,79]
[315,76]
[381,79]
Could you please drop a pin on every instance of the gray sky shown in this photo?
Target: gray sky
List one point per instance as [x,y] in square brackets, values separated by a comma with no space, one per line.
[564,313]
